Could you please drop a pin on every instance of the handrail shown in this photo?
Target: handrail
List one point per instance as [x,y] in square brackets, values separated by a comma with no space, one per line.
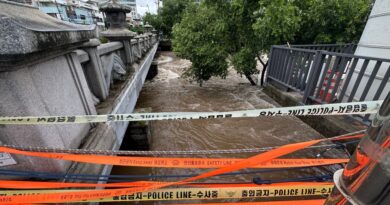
[343,48]
[295,49]
[109,47]
[326,77]
[311,45]
[355,56]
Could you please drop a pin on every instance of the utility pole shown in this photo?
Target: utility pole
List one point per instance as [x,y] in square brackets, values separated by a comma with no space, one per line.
[366,178]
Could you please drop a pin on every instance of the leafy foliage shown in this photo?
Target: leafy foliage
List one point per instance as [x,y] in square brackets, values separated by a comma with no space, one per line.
[200,38]
[332,21]
[276,22]
[244,44]
[244,61]
[154,20]
[168,15]
[136,29]
[218,31]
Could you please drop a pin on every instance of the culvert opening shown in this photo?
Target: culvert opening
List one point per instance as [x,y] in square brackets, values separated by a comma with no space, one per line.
[137,137]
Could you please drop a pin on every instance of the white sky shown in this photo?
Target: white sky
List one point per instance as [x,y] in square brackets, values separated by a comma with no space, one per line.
[144,6]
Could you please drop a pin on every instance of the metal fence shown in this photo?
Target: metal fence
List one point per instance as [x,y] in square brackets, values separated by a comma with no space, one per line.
[338,48]
[290,66]
[329,77]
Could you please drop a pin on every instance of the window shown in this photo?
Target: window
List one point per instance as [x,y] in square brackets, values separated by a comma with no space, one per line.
[52,15]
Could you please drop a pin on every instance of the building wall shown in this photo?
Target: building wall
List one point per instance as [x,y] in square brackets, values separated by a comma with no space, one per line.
[128,2]
[375,42]
[133,5]
[84,16]
[54,10]
[73,11]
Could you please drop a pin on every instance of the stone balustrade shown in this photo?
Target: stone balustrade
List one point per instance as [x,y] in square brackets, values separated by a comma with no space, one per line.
[49,67]
[111,59]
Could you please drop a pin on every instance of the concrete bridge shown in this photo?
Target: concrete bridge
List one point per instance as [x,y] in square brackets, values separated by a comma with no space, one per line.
[51,67]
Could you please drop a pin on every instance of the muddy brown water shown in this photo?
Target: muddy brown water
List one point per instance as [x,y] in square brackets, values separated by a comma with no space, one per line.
[168,92]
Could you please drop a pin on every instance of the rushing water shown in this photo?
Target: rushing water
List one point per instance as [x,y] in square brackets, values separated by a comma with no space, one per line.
[168,92]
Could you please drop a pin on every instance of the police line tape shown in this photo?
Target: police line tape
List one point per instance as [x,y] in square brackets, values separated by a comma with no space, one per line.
[261,191]
[352,108]
[285,202]
[164,162]
[97,194]
[16,184]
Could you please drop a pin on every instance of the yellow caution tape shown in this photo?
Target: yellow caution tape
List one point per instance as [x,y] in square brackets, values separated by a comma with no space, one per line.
[261,191]
[328,109]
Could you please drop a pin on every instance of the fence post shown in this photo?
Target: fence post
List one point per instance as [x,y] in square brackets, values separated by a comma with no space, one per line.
[267,68]
[350,48]
[313,76]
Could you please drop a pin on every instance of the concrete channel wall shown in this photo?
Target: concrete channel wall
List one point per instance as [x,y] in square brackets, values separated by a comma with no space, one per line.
[50,67]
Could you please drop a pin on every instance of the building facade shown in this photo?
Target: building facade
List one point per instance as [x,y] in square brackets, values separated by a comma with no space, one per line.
[374,42]
[75,11]
[133,5]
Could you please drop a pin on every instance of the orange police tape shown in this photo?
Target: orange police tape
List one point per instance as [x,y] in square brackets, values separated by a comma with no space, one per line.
[348,137]
[179,162]
[12,184]
[173,162]
[95,194]
[300,202]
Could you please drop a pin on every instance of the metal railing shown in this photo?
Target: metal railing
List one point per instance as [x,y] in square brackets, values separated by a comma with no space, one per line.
[338,48]
[329,77]
[290,66]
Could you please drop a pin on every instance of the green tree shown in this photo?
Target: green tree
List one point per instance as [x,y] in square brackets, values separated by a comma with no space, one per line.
[277,21]
[200,37]
[219,31]
[333,21]
[136,29]
[243,41]
[154,20]
[238,31]
[169,14]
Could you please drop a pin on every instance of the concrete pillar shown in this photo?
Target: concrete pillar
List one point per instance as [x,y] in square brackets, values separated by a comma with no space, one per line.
[94,70]
[148,29]
[139,49]
[117,31]
[147,42]
[155,34]
[144,45]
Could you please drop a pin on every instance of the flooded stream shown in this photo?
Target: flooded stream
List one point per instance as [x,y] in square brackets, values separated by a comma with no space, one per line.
[168,92]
